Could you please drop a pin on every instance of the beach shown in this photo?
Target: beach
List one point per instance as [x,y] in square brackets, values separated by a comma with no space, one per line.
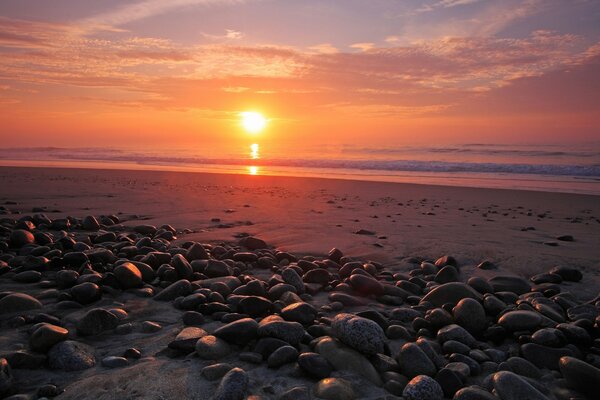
[396,226]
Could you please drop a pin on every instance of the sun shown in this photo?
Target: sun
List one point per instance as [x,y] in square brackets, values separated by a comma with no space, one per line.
[253,122]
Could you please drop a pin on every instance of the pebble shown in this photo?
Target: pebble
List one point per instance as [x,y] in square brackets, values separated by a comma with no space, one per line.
[334,389]
[520,320]
[46,336]
[7,379]
[233,386]
[255,306]
[580,375]
[182,267]
[423,387]
[543,356]
[182,287]
[281,356]
[216,371]
[365,285]
[86,293]
[70,355]
[513,284]
[344,358]
[413,361]
[567,274]
[96,321]
[301,312]
[238,332]
[20,237]
[212,348]
[359,333]
[452,292]
[16,303]
[128,276]
[510,386]
[314,365]
[114,362]
[186,339]
[291,332]
[469,314]
[456,332]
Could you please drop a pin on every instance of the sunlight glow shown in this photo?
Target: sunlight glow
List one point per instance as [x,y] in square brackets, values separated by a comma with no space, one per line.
[253,170]
[254,148]
[252,121]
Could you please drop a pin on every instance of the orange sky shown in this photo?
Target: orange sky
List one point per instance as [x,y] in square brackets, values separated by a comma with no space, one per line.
[151,73]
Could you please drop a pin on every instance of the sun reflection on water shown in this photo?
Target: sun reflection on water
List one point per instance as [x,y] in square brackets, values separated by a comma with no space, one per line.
[253,170]
[254,148]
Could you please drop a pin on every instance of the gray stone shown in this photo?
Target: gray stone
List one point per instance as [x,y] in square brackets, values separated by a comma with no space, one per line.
[456,332]
[114,362]
[413,361]
[314,365]
[96,321]
[212,348]
[17,303]
[301,312]
[423,387]
[216,371]
[520,320]
[452,293]
[334,389]
[70,355]
[580,375]
[281,356]
[274,326]
[469,314]
[182,266]
[233,386]
[290,276]
[186,340]
[182,287]
[344,358]
[510,386]
[359,333]
[239,332]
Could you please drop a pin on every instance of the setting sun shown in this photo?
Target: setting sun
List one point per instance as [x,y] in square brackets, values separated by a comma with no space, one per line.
[253,122]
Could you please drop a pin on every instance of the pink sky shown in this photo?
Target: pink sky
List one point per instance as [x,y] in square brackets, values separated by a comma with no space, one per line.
[156,73]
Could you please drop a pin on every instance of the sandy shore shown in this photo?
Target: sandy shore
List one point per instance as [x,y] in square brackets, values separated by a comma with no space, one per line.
[388,223]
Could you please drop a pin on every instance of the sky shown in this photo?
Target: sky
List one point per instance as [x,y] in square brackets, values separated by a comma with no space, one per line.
[160,73]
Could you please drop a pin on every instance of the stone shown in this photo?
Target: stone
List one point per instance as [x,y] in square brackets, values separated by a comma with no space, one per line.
[317,275]
[548,337]
[413,361]
[114,362]
[96,321]
[423,387]
[447,274]
[301,312]
[239,332]
[255,306]
[334,389]
[233,386]
[70,355]
[366,285]
[90,223]
[196,252]
[513,284]
[359,333]
[86,293]
[185,341]
[520,320]
[182,267]
[568,274]
[15,303]
[291,277]
[281,356]
[150,327]
[456,332]
[473,393]
[450,381]
[523,367]
[46,336]
[28,277]
[216,371]
[182,287]
[344,358]
[543,356]
[347,299]
[20,237]
[128,275]
[6,377]
[469,314]
[291,332]
[212,348]
[296,393]
[452,293]
[580,375]
[314,365]
[510,386]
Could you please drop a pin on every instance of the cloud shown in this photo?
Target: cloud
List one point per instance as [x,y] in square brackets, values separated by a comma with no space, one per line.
[363,46]
[324,48]
[230,34]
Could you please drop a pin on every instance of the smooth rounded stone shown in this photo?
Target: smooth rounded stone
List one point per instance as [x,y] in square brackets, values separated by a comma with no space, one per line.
[359,333]
[583,311]
[452,293]
[255,306]
[28,277]
[251,357]
[469,314]
[456,332]
[480,284]
[46,336]
[523,367]
[132,353]
[296,393]
[114,362]
[543,356]
[450,381]
[314,365]
[86,293]
[278,290]
[185,341]
[20,237]
[394,387]
[344,358]
[317,275]
[216,371]
[548,337]
[567,274]
[446,274]
[281,356]
[239,332]
[473,393]
[182,266]
[334,389]
[253,243]
[462,369]
[423,387]
[6,377]
[397,332]
[546,278]
[366,285]
[575,334]
[150,327]
[193,318]
[405,314]
[233,386]
[520,320]
[96,321]
[291,277]
[513,284]
[580,375]
[347,299]
[128,275]
[452,346]
[90,223]
[17,303]
[291,332]
[301,312]
[124,329]
[413,361]
[196,252]
[182,287]
[70,355]
[216,269]
[66,278]
[510,386]
[212,348]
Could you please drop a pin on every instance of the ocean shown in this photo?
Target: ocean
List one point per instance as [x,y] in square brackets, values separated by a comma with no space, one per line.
[554,168]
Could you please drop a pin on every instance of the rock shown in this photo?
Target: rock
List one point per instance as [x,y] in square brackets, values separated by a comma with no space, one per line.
[423,387]
[365,285]
[281,356]
[452,292]
[239,332]
[128,275]
[186,340]
[344,358]
[193,318]
[196,252]
[447,274]
[347,299]
[510,284]
[456,332]
[580,375]
[46,336]
[255,306]
[520,320]
[182,287]
[473,393]
[114,362]
[70,355]
[359,333]
[446,260]
[334,389]
[28,277]
[450,381]
[66,278]
[90,223]
[486,265]
[212,348]
[469,314]
[568,274]
[510,386]
[96,321]
[314,365]
[290,276]
[24,359]
[86,293]
[6,377]
[20,238]
[150,327]
[18,303]
[543,356]
[216,371]
[523,367]
[291,332]
[146,230]
[301,312]
[252,243]
[296,393]
[548,337]
[413,361]
[182,267]
[233,386]
[317,275]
